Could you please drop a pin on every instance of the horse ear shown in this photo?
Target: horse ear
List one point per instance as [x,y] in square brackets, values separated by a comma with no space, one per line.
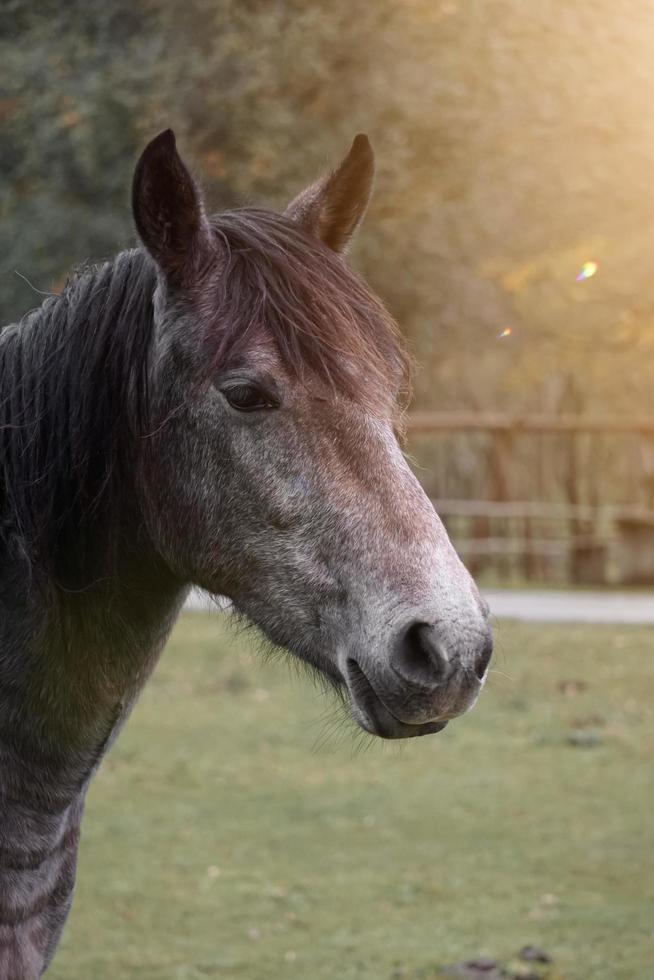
[334,206]
[169,212]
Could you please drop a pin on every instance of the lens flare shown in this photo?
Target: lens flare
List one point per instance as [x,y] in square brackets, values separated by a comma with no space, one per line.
[587,271]
[505,333]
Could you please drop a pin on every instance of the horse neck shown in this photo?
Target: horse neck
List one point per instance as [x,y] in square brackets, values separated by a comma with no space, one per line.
[72,668]
[73,654]
[79,657]
[83,597]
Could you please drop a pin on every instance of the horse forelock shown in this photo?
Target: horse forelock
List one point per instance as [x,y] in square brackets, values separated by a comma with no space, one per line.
[274,278]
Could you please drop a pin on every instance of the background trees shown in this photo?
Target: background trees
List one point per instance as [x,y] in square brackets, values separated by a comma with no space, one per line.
[514,143]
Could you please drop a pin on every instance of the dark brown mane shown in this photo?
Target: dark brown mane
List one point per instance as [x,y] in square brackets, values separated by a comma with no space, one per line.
[324,321]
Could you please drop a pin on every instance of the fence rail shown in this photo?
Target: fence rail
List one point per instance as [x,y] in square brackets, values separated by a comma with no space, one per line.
[543,510]
[543,495]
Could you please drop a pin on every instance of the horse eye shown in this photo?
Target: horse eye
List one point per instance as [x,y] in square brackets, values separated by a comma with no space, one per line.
[247,398]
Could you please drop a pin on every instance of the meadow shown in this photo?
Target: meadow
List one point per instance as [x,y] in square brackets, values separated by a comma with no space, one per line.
[241,828]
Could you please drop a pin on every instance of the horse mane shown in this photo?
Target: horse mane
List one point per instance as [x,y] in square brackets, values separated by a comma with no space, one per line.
[74,399]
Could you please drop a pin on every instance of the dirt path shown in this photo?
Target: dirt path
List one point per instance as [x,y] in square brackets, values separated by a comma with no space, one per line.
[572,607]
[548,606]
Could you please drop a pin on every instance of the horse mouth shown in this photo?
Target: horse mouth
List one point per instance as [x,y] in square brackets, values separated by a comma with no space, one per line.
[372,714]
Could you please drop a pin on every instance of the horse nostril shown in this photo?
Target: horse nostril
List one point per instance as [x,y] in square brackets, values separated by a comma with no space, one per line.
[484,658]
[420,655]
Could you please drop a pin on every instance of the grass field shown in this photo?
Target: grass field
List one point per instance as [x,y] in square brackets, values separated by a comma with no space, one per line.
[232,834]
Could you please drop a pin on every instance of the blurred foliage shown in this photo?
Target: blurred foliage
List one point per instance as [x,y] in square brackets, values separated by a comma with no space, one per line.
[511,140]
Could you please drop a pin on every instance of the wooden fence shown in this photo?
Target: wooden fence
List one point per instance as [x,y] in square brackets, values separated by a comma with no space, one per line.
[565,497]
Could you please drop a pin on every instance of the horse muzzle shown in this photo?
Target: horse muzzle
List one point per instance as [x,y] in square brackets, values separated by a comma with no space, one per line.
[421,685]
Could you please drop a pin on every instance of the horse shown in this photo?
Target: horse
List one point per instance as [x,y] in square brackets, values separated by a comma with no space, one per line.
[217,407]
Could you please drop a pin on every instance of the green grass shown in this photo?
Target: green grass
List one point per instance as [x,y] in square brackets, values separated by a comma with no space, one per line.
[225,838]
